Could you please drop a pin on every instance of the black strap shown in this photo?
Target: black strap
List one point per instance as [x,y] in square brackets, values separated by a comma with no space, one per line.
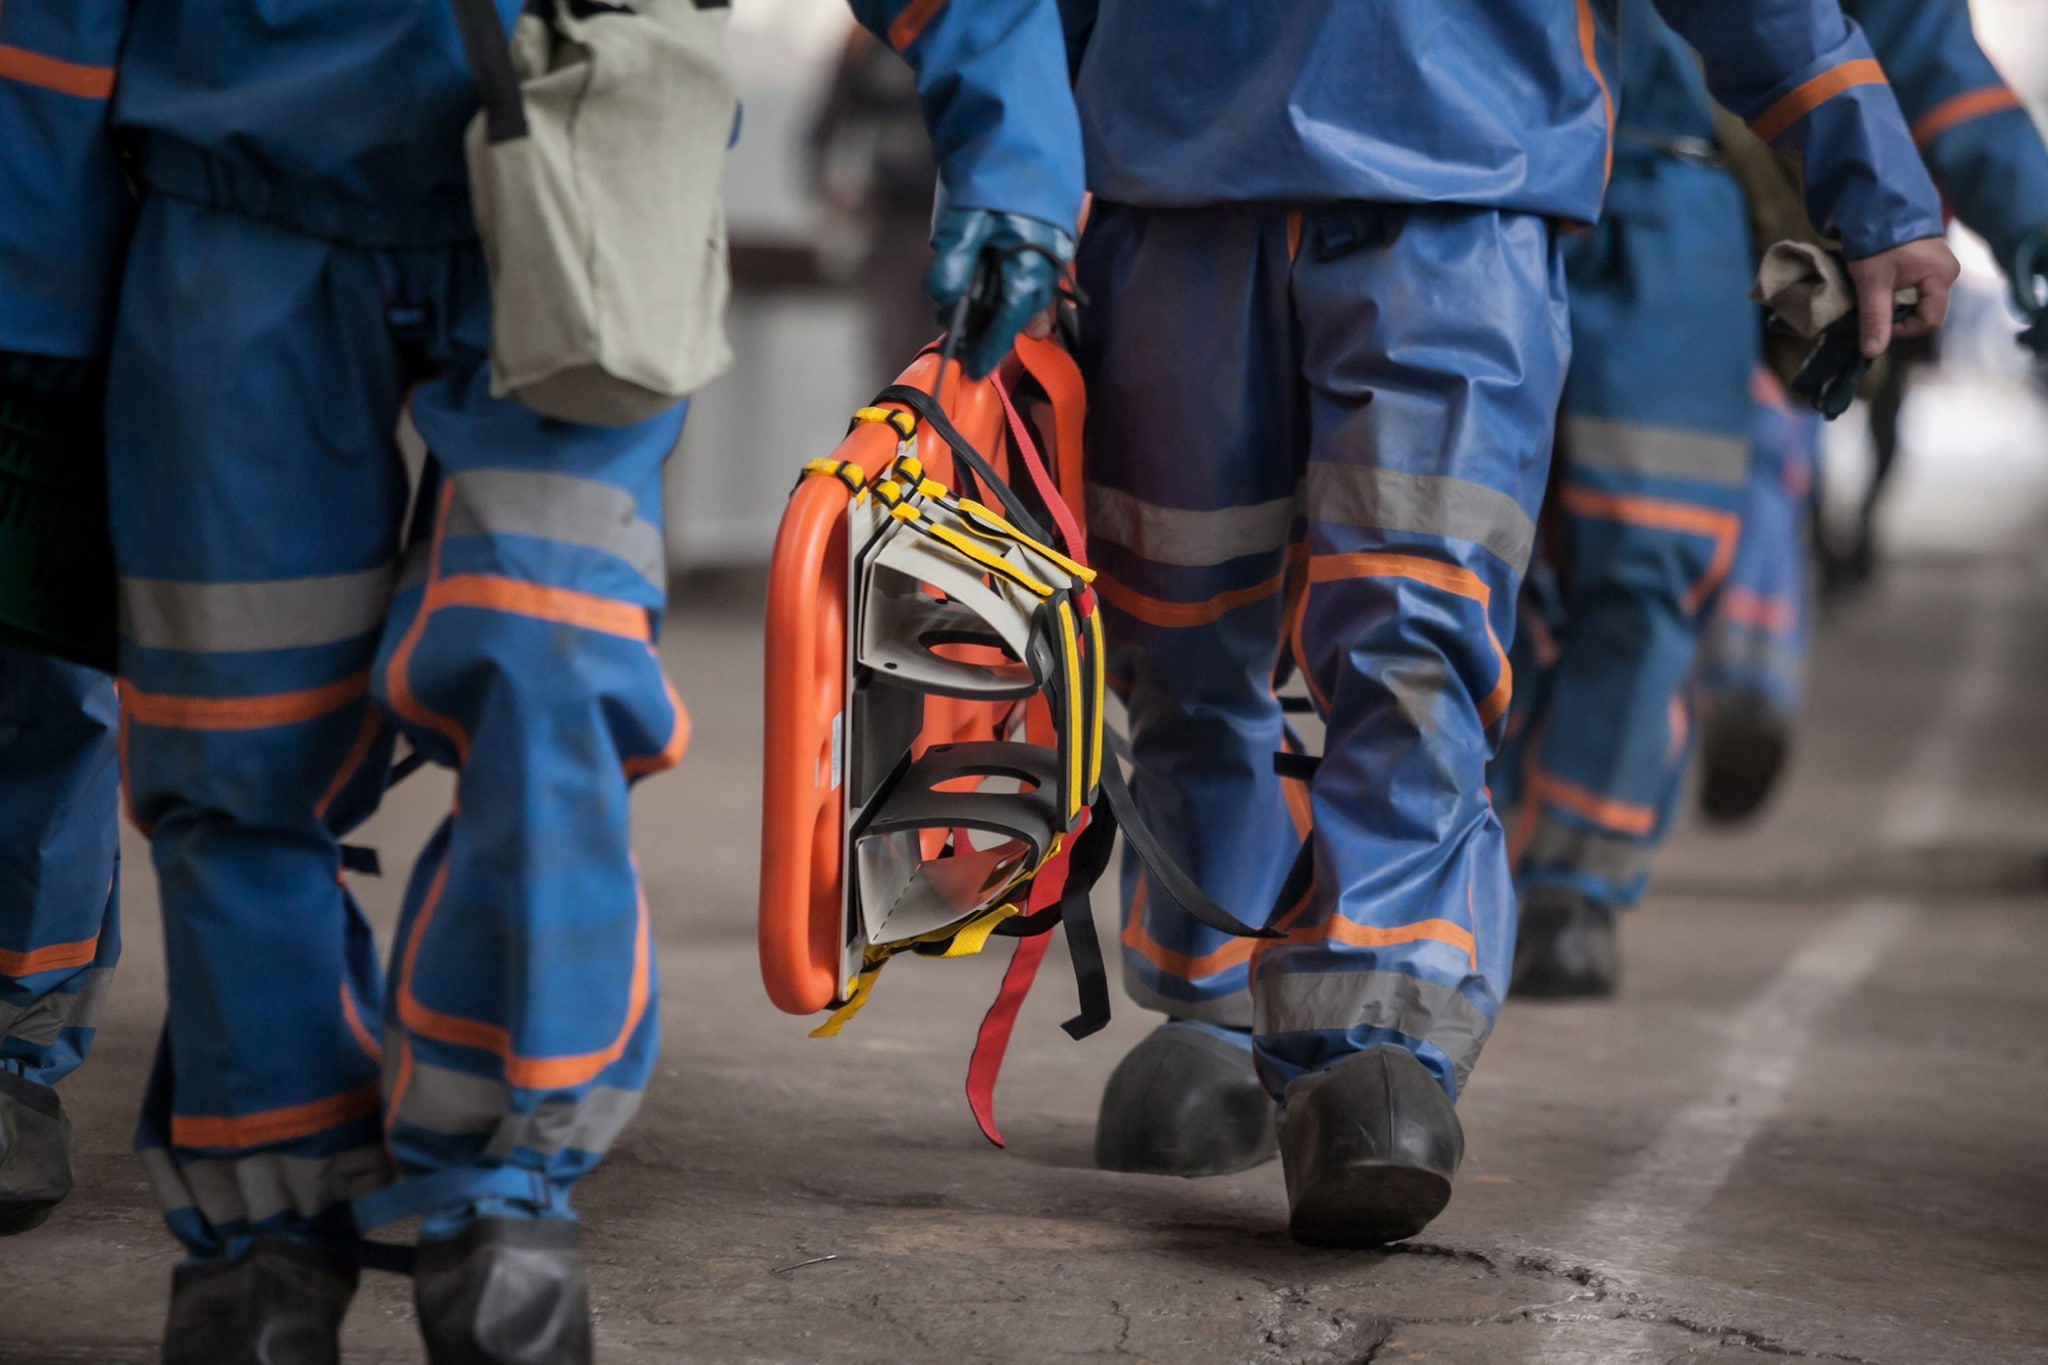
[1292,705]
[1300,767]
[929,413]
[1169,879]
[404,768]
[361,860]
[1085,866]
[490,67]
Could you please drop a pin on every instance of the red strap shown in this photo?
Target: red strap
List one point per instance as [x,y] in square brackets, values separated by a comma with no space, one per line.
[1048,493]
[993,1038]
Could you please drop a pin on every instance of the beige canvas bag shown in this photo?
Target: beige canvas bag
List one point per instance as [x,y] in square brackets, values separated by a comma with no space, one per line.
[596,170]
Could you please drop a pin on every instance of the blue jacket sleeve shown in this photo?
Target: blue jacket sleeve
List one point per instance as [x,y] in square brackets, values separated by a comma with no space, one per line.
[992,77]
[64,203]
[1804,78]
[1986,154]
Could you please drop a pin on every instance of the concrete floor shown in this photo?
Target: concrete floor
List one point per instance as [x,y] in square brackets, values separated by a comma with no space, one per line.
[1815,1123]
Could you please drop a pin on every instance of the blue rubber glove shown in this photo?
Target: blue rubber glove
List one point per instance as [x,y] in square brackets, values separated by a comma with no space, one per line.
[1027,253]
[2029,276]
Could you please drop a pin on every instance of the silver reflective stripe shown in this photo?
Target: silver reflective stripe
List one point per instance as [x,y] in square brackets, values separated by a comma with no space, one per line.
[40,1024]
[1230,1011]
[278,613]
[1421,504]
[1554,844]
[255,1188]
[561,508]
[458,1104]
[1742,651]
[1668,452]
[1427,1011]
[591,1124]
[1186,537]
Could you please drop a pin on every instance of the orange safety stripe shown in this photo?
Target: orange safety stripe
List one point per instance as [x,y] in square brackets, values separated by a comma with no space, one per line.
[352,761]
[1154,612]
[640,765]
[1766,388]
[1589,48]
[241,713]
[1960,109]
[1232,954]
[53,958]
[398,670]
[50,73]
[527,1073]
[1447,577]
[1746,607]
[905,28]
[1619,817]
[277,1125]
[1678,720]
[1722,528]
[1372,936]
[1814,93]
[365,1039]
[1293,234]
[563,606]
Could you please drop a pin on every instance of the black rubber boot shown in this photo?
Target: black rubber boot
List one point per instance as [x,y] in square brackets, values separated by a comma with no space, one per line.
[1565,947]
[1742,754]
[279,1303]
[1369,1148]
[35,1153]
[505,1291]
[1184,1102]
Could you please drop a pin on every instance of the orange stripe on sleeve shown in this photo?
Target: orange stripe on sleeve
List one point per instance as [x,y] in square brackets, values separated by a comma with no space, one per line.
[1961,109]
[1619,817]
[1425,931]
[912,21]
[365,1040]
[640,765]
[1723,528]
[48,73]
[53,958]
[240,713]
[1589,48]
[1814,94]
[277,1125]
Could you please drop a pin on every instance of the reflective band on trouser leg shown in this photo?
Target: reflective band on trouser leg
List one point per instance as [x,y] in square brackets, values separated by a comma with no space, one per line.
[1653,470]
[523,1019]
[1755,647]
[251,613]
[59,795]
[1192,505]
[1430,439]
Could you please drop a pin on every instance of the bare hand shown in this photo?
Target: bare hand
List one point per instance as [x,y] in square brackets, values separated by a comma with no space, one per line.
[1927,266]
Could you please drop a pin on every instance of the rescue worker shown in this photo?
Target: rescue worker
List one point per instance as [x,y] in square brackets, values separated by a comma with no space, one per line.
[1649,538]
[1652,461]
[63,214]
[1752,663]
[1324,352]
[1989,159]
[303,283]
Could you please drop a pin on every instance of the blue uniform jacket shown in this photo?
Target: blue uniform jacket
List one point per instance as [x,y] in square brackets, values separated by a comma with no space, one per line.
[64,206]
[1986,153]
[345,121]
[1499,103]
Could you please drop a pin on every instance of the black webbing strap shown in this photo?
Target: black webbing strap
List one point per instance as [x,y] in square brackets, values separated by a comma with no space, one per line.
[1169,879]
[930,414]
[1085,866]
[490,67]
[361,860]
[1300,767]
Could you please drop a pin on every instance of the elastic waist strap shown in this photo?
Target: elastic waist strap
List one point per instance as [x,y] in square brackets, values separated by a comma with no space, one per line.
[184,171]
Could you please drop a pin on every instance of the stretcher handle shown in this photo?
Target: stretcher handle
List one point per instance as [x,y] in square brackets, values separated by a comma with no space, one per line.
[931,414]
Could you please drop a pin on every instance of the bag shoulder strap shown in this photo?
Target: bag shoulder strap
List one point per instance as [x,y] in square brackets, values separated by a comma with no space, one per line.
[490,66]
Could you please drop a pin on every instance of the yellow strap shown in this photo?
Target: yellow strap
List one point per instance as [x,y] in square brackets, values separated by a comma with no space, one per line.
[987,559]
[973,937]
[1080,571]
[967,940]
[863,987]
[1097,680]
[904,422]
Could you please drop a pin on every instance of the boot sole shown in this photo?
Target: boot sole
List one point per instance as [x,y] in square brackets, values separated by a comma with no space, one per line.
[16,1219]
[1369,1206]
[1742,764]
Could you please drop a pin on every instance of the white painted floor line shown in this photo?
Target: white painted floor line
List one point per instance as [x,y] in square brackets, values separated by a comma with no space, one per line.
[1638,1226]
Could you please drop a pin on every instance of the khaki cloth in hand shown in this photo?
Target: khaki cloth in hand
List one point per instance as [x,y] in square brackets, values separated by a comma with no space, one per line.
[603,222]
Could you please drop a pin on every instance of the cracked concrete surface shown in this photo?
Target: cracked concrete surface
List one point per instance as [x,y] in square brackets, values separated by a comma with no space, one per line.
[1893,1208]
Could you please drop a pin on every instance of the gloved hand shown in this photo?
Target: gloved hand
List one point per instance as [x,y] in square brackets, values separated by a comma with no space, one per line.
[2028,272]
[1026,256]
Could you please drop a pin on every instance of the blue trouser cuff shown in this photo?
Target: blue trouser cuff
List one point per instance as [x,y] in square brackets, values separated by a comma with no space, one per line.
[426,1195]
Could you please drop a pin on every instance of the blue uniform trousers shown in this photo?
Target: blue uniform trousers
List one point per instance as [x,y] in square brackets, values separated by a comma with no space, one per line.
[1653,458]
[277,632]
[1321,436]
[59,861]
